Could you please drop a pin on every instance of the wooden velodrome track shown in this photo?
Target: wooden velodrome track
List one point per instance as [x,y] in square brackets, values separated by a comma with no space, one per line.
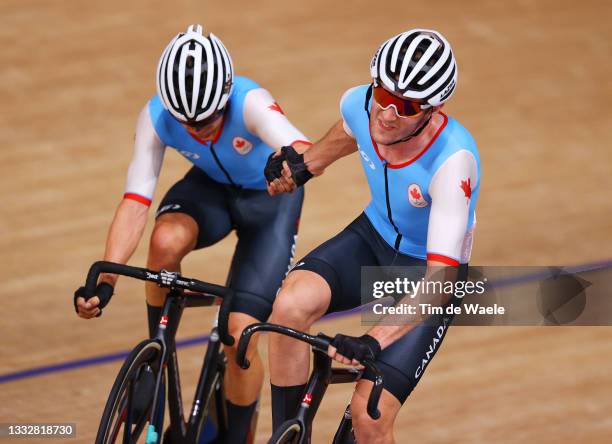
[535,85]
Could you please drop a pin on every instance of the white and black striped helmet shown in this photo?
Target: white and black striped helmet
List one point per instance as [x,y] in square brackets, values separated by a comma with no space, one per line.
[194,75]
[418,64]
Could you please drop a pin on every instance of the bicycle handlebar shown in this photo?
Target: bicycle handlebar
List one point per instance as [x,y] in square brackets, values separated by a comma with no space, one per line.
[321,343]
[166,279]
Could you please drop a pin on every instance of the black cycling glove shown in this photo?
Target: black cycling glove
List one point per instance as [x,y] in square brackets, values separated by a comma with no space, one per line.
[359,348]
[274,166]
[104,291]
[295,162]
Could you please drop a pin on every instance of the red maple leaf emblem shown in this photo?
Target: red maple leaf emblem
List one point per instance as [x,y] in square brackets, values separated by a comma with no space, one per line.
[466,186]
[239,143]
[415,194]
[276,107]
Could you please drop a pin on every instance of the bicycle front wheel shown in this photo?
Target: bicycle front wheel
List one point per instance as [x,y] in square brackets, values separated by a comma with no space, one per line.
[290,432]
[128,408]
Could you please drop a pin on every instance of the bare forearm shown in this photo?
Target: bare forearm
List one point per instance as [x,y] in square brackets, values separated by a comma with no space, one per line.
[124,234]
[334,145]
[393,327]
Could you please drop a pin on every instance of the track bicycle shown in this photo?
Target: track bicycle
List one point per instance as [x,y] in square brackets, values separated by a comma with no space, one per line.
[149,377]
[298,430]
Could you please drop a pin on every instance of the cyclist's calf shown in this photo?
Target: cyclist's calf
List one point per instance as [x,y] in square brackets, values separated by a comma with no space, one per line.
[368,430]
[237,323]
[242,386]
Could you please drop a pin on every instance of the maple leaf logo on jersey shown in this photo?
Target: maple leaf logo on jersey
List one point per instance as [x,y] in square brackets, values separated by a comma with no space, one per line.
[415,196]
[242,145]
[276,107]
[466,186]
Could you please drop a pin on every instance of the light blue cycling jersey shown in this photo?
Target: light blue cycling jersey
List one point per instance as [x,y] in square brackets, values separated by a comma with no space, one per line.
[237,157]
[401,196]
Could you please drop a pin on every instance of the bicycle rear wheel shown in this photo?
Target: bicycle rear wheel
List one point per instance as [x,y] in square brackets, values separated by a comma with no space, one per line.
[290,432]
[128,408]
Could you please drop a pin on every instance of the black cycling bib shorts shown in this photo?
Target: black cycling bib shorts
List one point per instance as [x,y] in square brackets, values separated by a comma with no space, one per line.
[266,227]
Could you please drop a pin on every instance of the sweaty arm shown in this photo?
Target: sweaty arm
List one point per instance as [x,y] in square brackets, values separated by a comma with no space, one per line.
[131,216]
[449,239]
[337,143]
[334,145]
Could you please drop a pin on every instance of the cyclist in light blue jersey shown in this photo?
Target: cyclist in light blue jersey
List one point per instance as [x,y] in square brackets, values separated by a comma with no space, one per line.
[226,126]
[423,172]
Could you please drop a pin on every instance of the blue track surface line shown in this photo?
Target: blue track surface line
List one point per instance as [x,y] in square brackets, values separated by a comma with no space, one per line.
[202,339]
[88,362]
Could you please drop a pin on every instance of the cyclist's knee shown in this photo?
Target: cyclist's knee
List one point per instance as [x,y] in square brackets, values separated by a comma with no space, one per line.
[370,430]
[174,235]
[303,299]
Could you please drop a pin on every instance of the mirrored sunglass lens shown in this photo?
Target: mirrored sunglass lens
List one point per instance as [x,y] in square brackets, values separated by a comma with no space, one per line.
[411,108]
[404,107]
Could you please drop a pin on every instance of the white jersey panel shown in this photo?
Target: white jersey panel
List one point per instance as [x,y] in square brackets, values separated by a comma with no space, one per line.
[264,118]
[147,159]
[450,191]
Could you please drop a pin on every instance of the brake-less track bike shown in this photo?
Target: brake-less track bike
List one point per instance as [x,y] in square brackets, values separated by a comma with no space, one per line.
[149,377]
[298,430]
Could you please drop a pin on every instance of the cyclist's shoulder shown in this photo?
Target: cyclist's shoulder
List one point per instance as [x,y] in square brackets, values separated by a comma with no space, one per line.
[242,85]
[351,103]
[455,137]
[160,119]
[156,109]
[457,134]
[353,96]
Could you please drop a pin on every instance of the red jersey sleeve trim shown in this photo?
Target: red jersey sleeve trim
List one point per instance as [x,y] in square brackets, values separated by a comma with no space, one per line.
[441,258]
[138,198]
[305,142]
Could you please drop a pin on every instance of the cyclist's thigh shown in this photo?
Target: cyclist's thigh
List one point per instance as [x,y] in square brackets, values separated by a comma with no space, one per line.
[204,200]
[267,232]
[338,261]
[404,362]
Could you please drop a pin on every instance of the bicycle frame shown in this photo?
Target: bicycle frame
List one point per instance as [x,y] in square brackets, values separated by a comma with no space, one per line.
[322,375]
[187,430]
[209,396]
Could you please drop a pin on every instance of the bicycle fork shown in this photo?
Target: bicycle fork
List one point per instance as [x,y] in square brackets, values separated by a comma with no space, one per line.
[172,309]
[315,390]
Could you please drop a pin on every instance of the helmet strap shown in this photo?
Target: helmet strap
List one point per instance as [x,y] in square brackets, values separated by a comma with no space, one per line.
[418,131]
[368,96]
